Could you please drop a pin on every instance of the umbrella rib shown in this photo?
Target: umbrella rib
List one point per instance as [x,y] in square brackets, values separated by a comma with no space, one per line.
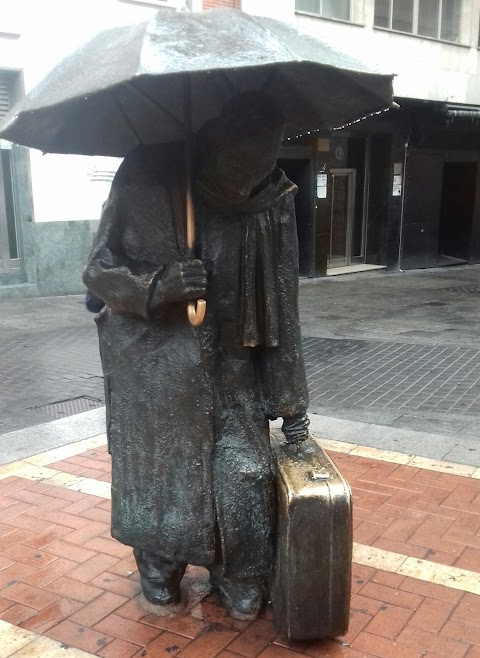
[126,117]
[155,103]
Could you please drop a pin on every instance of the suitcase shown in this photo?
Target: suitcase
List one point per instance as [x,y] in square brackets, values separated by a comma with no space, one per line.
[312,576]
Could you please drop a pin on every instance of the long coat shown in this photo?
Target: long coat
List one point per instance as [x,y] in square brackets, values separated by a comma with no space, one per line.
[187,409]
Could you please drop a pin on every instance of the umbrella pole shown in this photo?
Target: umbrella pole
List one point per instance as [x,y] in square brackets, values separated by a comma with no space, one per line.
[195,310]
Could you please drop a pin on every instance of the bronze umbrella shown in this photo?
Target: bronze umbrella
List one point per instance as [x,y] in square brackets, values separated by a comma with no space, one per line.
[159,81]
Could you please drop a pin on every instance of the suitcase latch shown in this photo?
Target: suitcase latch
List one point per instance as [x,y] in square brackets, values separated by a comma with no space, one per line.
[320,475]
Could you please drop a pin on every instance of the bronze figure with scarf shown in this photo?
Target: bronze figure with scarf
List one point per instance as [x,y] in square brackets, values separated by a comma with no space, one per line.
[188,408]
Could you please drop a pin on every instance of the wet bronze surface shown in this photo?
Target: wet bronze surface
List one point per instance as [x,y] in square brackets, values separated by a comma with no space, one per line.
[188,408]
[311,584]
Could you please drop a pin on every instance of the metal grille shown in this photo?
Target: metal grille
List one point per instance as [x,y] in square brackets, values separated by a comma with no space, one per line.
[65,408]
[4,98]
[102,175]
[472,290]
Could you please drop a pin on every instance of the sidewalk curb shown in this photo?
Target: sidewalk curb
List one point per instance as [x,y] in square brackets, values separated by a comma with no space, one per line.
[18,444]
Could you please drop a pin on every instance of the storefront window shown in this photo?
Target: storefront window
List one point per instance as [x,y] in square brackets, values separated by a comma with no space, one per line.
[339,9]
[438,19]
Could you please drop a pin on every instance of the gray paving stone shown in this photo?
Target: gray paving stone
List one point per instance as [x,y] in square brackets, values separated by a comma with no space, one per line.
[376,352]
[424,444]
[464,454]
[24,442]
[426,424]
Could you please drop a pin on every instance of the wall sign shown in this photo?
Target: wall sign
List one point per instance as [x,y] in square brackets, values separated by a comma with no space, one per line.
[322,183]
[397,179]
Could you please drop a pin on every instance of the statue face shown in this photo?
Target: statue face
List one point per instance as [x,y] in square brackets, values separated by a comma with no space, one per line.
[239,149]
[243,163]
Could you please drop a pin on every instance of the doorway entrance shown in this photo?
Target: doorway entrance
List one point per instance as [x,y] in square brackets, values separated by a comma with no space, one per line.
[456,215]
[299,168]
[342,216]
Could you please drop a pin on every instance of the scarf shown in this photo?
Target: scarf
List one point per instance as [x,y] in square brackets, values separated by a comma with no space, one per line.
[259,305]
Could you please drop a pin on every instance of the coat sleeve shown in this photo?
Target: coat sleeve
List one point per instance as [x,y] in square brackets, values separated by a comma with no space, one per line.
[110,275]
[282,368]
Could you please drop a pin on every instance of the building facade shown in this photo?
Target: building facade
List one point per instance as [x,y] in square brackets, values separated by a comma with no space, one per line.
[398,190]
[50,204]
[401,189]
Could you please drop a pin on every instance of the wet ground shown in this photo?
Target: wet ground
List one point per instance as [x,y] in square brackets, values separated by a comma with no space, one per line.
[399,349]
[394,349]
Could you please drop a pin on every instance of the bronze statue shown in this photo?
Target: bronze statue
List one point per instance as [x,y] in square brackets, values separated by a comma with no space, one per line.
[188,408]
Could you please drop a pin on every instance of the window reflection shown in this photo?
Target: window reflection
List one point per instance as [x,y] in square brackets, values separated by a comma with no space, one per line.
[312,6]
[382,13]
[437,19]
[451,10]
[336,9]
[326,8]
[428,14]
[402,15]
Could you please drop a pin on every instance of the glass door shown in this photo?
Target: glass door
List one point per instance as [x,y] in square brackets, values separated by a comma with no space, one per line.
[342,213]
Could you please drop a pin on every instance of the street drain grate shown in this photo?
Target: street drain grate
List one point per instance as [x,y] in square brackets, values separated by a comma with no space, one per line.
[471,290]
[65,408]
[435,304]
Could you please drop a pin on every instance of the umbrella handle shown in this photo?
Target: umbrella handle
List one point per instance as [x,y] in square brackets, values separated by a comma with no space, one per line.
[195,310]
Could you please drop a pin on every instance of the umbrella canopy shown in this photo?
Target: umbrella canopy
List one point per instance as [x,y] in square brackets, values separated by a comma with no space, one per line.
[126,86]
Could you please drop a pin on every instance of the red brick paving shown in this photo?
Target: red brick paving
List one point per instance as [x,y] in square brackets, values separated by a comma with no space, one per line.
[52,615]
[420,513]
[425,514]
[61,574]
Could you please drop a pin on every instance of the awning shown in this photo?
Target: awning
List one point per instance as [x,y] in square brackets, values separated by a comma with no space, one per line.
[462,111]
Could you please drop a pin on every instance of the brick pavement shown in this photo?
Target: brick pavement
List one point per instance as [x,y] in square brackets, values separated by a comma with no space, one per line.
[63,577]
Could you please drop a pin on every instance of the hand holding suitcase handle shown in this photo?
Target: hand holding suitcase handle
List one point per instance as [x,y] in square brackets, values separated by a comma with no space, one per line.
[295,428]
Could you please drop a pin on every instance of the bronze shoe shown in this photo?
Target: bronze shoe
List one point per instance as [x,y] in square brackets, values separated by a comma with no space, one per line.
[242,597]
[160,578]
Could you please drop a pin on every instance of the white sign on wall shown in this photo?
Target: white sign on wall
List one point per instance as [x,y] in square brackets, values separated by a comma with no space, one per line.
[322,182]
[397,179]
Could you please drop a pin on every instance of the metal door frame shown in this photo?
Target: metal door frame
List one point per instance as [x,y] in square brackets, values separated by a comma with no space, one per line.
[351,174]
[305,153]
[4,242]
[7,264]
